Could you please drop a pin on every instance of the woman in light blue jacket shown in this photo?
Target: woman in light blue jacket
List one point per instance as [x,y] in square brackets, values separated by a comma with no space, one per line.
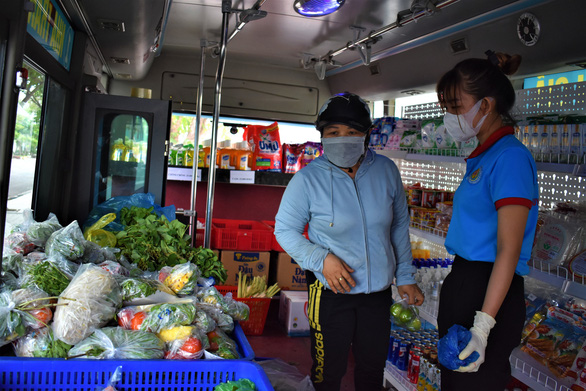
[353,204]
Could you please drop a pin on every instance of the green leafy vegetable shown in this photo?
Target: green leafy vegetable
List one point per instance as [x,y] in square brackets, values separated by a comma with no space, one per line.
[47,277]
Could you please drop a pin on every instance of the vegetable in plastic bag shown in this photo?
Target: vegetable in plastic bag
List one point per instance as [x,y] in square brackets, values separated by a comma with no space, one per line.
[183,343]
[450,346]
[12,261]
[144,291]
[236,309]
[223,321]
[222,345]
[11,319]
[41,343]
[100,236]
[236,385]
[48,276]
[34,303]
[405,316]
[68,241]
[182,279]
[118,343]
[39,232]
[94,253]
[19,243]
[204,321]
[96,296]
[157,317]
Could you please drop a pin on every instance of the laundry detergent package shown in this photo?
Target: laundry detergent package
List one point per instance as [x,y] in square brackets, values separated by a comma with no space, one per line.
[266,146]
[381,130]
[311,151]
[292,157]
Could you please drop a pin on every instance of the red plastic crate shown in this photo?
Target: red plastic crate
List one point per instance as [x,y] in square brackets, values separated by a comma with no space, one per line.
[274,244]
[259,309]
[242,235]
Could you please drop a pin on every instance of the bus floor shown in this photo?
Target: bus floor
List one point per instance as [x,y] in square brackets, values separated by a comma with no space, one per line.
[275,343]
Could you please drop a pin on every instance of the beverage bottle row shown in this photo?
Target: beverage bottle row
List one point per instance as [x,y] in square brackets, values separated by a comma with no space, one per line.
[430,275]
[554,143]
[228,156]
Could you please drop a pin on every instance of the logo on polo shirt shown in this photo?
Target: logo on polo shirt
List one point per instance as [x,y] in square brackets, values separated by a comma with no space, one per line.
[475,176]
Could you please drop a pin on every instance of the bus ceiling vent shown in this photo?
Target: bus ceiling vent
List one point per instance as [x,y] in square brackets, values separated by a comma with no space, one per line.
[316,8]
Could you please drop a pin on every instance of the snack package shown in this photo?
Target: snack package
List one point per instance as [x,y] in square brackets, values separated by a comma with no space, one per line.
[96,296]
[266,146]
[292,157]
[543,340]
[118,343]
[311,151]
[405,316]
[41,343]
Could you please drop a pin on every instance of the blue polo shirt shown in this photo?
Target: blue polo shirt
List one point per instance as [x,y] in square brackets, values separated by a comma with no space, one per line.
[499,172]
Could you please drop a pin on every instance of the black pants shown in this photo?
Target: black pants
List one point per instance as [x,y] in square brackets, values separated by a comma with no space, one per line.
[340,321]
[461,296]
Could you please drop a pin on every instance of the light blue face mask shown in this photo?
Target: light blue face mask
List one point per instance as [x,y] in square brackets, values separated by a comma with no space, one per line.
[344,152]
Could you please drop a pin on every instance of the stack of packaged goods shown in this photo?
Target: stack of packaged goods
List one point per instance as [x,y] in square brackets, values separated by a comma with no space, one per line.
[430,209]
[297,156]
[430,275]
[554,138]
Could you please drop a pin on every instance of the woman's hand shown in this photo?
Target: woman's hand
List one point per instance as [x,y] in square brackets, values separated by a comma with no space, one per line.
[413,293]
[337,274]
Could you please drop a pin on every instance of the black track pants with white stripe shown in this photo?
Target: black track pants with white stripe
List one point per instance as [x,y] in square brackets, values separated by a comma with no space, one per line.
[339,322]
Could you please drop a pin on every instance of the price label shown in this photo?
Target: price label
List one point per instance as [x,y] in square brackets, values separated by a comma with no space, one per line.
[246,177]
[182,174]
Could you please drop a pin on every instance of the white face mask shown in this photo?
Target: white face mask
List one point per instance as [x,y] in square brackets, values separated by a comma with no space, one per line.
[343,151]
[460,126]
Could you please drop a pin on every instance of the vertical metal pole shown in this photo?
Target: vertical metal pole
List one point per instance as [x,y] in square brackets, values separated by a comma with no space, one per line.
[192,213]
[226,7]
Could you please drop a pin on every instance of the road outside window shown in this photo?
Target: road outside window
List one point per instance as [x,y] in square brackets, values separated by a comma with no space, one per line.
[24,150]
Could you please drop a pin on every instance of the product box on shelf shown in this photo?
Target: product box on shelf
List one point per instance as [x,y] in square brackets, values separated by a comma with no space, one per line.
[293,313]
[288,274]
[248,262]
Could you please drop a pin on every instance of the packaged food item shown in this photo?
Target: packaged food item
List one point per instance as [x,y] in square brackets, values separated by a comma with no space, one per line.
[266,146]
[292,157]
[414,194]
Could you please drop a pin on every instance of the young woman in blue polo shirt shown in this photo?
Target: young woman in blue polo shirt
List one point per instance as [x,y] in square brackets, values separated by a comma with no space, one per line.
[493,224]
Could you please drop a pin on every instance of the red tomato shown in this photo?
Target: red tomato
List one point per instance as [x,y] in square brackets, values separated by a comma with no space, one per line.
[124,318]
[191,345]
[43,315]
[212,336]
[173,356]
[137,320]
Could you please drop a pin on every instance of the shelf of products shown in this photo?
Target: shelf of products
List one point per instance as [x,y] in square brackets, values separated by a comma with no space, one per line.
[428,311]
[266,178]
[431,234]
[560,277]
[397,379]
[535,374]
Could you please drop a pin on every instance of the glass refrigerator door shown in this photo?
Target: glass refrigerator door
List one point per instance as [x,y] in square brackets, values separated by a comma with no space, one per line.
[122,165]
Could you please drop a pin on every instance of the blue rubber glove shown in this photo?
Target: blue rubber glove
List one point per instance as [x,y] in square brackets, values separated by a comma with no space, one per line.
[483,323]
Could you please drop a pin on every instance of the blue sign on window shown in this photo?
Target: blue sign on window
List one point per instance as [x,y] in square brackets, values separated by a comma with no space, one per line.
[48,25]
[555,79]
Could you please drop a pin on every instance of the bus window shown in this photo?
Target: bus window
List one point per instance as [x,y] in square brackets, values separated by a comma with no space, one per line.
[24,150]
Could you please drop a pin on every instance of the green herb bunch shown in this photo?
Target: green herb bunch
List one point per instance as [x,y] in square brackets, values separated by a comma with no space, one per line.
[152,242]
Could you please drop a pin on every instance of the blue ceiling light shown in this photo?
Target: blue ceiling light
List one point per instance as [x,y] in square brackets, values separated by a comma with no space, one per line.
[314,8]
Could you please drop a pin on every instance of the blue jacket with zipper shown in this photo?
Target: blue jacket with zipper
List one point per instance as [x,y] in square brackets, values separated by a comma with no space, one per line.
[364,221]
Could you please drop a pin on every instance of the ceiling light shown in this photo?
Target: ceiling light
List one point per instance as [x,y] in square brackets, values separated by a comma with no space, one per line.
[314,8]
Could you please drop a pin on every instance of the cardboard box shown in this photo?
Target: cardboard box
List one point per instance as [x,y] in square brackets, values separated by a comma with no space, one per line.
[293,313]
[248,262]
[289,275]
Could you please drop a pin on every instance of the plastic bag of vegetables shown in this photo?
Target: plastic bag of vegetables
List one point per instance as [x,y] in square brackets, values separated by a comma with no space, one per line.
[67,241]
[46,275]
[41,343]
[157,317]
[236,309]
[204,321]
[223,321]
[15,313]
[236,385]
[96,297]
[140,291]
[221,345]
[19,243]
[118,343]
[39,232]
[181,279]
[184,342]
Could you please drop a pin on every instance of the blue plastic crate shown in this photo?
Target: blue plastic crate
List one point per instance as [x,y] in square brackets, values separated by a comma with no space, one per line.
[244,348]
[36,374]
